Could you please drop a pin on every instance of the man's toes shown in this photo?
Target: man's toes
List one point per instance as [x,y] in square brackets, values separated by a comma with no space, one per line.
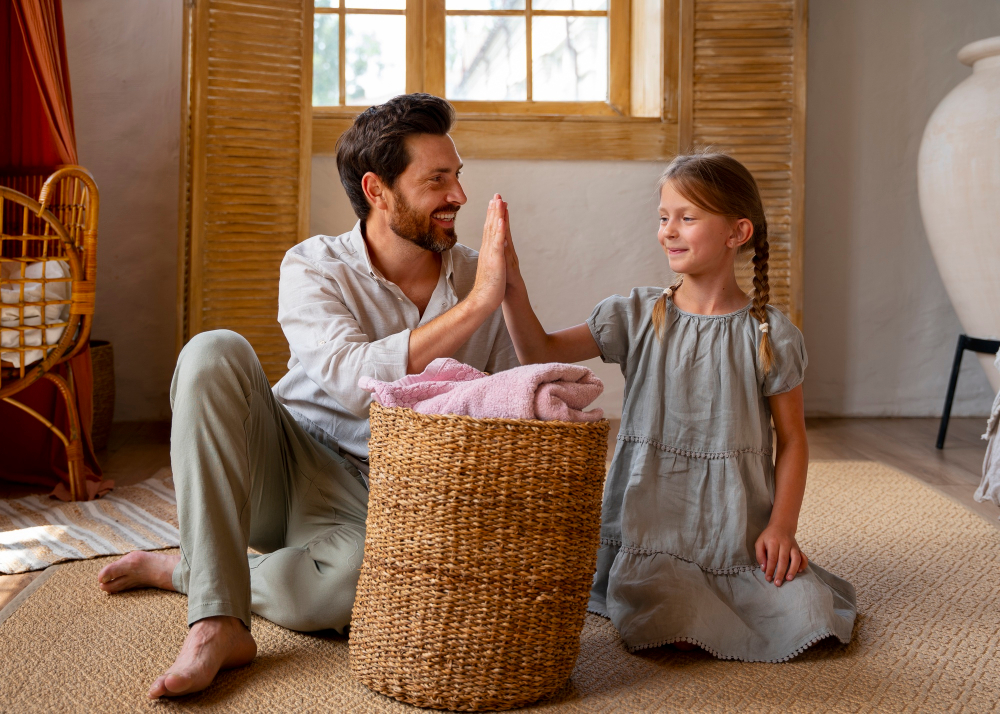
[122,582]
[109,572]
[128,563]
[184,683]
[158,689]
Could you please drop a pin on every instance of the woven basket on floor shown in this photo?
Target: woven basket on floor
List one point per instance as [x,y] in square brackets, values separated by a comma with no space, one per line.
[102,360]
[481,546]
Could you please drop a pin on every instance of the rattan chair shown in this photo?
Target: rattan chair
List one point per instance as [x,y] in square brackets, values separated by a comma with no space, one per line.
[61,228]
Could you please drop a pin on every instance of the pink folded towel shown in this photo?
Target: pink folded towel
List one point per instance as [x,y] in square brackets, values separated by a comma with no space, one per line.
[539,391]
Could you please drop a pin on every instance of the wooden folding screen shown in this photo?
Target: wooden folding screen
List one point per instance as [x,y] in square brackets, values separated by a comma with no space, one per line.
[246,154]
[743,91]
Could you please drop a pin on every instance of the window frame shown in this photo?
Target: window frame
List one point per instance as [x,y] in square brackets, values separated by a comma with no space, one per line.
[638,122]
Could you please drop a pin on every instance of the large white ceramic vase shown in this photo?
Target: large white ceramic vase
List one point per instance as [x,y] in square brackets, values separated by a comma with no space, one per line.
[959,182]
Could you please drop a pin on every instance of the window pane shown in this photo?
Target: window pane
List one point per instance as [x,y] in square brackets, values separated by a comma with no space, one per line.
[326,60]
[376,58]
[484,4]
[569,57]
[327,3]
[377,4]
[486,58]
[569,4]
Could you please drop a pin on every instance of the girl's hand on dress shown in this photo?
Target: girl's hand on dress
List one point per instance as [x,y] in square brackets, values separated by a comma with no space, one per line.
[779,555]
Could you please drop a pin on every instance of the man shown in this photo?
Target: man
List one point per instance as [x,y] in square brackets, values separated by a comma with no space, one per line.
[284,471]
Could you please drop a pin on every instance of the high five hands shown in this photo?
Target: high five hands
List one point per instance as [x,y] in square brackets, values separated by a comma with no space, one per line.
[498,267]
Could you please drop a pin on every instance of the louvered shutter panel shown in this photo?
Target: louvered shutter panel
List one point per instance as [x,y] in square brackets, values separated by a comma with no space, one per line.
[749,101]
[245,165]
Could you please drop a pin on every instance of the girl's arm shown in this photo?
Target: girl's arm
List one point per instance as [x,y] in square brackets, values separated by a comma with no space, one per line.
[776,549]
[531,342]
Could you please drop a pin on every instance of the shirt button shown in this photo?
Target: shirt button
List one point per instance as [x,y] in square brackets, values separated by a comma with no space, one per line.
[321,342]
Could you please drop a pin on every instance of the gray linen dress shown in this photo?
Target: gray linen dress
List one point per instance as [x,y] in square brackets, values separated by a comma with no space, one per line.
[691,488]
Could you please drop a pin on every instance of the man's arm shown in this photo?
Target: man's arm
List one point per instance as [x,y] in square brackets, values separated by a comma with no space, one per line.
[442,336]
[325,336]
[333,349]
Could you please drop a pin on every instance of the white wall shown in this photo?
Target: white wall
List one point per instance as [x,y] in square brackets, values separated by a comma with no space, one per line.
[880,329]
[583,230]
[125,72]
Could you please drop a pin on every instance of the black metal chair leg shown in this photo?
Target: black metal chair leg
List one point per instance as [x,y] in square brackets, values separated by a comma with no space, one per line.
[952,383]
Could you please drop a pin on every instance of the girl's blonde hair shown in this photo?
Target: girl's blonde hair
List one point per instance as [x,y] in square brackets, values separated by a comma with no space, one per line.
[722,185]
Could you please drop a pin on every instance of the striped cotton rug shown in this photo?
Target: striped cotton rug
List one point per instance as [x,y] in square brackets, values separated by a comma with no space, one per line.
[38,531]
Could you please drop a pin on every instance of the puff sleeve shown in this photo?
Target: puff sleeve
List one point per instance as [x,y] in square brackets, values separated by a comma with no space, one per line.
[789,349]
[617,322]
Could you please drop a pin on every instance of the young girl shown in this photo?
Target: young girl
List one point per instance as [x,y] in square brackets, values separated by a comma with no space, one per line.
[698,533]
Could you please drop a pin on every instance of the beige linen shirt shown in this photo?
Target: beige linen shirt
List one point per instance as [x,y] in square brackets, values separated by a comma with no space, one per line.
[344,320]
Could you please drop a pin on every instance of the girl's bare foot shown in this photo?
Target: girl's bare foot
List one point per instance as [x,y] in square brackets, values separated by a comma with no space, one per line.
[139,569]
[212,644]
[685,646]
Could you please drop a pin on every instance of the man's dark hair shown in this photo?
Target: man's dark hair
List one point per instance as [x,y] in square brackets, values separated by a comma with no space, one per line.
[376,141]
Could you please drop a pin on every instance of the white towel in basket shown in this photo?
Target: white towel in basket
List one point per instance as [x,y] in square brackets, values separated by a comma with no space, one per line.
[10,294]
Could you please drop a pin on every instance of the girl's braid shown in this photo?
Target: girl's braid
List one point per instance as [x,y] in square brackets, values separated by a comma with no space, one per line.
[660,307]
[761,295]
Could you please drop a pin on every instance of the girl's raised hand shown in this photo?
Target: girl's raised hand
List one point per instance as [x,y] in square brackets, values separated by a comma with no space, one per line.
[779,555]
[514,279]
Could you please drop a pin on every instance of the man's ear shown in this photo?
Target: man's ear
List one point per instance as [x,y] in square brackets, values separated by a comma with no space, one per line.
[375,191]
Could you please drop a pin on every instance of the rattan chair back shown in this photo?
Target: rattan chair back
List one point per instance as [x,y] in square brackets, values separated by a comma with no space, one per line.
[55,236]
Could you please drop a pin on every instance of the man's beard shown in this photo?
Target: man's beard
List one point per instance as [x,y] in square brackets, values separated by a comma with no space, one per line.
[410,225]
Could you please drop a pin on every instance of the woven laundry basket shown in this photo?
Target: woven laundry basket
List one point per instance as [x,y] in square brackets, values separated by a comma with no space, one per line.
[480,550]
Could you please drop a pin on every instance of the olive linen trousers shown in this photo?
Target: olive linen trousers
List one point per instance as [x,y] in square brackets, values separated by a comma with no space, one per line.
[246,473]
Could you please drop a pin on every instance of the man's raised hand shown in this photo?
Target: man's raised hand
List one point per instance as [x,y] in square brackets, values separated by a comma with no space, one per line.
[491,275]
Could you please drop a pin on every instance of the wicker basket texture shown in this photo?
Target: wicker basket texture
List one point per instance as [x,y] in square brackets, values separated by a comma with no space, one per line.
[481,546]
[102,359]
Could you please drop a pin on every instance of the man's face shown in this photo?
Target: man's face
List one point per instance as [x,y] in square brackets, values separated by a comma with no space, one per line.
[427,195]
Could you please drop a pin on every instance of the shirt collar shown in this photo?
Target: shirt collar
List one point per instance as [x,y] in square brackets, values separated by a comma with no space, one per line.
[361,249]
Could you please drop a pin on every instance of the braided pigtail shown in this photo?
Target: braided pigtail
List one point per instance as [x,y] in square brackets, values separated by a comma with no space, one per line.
[761,295]
[660,307]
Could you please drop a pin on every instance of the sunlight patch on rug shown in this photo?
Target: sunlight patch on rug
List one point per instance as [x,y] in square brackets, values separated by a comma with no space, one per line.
[39,531]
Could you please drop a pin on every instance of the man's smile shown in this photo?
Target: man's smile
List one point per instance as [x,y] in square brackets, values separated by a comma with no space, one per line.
[445,218]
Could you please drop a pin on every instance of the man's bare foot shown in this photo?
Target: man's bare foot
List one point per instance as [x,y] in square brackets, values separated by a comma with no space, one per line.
[212,644]
[139,569]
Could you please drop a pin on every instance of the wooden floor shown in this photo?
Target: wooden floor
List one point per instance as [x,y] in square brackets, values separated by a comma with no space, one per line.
[138,450]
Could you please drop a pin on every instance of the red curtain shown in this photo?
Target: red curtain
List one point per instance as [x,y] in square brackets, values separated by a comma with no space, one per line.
[44,44]
[37,135]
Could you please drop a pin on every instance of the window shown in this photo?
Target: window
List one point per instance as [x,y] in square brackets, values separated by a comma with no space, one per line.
[359,52]
[604,65]
[548,56]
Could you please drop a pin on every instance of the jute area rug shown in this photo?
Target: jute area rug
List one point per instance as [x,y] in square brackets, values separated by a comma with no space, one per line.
[926,571]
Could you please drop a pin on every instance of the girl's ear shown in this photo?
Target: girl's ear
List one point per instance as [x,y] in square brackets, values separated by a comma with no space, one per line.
[742,233]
